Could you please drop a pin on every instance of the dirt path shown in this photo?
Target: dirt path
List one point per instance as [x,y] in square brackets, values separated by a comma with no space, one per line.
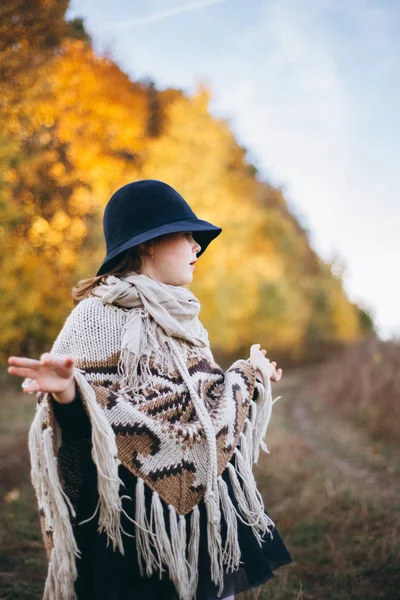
[338,443]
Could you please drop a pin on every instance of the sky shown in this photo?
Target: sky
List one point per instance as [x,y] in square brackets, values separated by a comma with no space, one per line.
[312,90]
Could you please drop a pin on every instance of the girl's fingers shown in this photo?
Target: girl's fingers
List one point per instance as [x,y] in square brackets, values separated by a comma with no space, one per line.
[31,388]
[45,360]
[27,367]
[64,361]
[20,361]
[278,375]
[48,360]
[21,372]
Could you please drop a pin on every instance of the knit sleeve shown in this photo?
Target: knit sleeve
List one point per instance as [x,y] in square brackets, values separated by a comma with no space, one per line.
[76,466]
[72,417]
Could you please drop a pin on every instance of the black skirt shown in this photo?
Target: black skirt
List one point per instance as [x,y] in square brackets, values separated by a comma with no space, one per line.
[105,574]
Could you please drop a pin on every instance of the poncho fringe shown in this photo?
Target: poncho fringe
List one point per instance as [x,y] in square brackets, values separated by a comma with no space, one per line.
[159,547]
[156,550]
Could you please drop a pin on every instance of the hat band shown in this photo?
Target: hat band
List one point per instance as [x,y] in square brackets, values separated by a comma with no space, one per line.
[144,233]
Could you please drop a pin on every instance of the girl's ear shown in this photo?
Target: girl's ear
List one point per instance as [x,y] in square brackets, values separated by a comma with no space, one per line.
[148,248]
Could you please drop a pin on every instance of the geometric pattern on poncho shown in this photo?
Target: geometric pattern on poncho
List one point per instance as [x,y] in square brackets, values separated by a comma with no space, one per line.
[161,440]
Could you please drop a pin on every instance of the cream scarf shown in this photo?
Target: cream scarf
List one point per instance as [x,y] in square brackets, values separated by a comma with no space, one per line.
[174,310]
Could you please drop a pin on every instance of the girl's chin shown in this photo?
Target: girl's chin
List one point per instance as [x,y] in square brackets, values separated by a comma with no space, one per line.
[179,280]
[186,280]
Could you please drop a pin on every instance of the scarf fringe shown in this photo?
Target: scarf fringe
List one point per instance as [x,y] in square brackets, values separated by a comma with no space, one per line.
[165,544]
[214,539]
[253,496]
[143,541]
[62,570]
[261,412]
[169,549]
[105,457]
[231,551]
[134,366]
[194,544]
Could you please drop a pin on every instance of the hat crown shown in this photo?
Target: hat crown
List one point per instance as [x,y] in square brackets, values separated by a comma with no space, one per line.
[141,206]
[143,210]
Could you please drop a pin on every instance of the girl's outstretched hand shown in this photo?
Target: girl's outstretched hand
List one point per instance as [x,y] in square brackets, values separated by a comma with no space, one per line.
[258,358]
[54,374]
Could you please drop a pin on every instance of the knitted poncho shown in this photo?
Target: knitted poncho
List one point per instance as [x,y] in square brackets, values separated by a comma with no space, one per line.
[174,422]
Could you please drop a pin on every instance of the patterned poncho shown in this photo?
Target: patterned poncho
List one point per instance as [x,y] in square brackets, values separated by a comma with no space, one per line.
[162,407]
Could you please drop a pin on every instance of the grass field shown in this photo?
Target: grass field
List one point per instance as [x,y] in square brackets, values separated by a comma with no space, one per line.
[332,490]
[22,556]
[333,501]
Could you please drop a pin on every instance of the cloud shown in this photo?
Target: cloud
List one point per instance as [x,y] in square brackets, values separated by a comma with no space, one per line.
[164,14]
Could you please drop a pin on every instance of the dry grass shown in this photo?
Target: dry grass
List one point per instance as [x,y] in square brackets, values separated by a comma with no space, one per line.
[363,383]
[345,543]
[22,557]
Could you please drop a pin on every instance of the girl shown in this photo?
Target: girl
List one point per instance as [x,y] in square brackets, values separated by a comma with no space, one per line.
[142,447]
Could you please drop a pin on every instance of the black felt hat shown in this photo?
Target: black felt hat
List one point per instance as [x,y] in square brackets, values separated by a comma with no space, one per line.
[143,210]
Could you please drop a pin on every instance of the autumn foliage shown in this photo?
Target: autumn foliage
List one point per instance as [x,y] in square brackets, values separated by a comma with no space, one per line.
[74,129]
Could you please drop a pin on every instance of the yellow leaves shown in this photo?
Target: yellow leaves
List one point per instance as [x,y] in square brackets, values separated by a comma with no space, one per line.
[60,220]
[54,238]
[10,176]
[344,316]
[60,229]
[67,257]
[38,230]
[57,170]
[77,231]
[264,268]
[44,137]
[99,111]
[44,114]
[32,301]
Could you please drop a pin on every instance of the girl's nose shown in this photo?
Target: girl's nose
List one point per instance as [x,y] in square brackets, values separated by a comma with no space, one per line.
[197,247]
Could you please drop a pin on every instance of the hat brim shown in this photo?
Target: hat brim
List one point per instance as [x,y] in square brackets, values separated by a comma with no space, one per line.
[203,232]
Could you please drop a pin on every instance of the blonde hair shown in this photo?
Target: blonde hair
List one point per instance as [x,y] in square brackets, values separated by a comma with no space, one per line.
[130,260]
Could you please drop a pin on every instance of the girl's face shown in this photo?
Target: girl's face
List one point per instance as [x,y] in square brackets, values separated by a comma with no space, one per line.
[173,260]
